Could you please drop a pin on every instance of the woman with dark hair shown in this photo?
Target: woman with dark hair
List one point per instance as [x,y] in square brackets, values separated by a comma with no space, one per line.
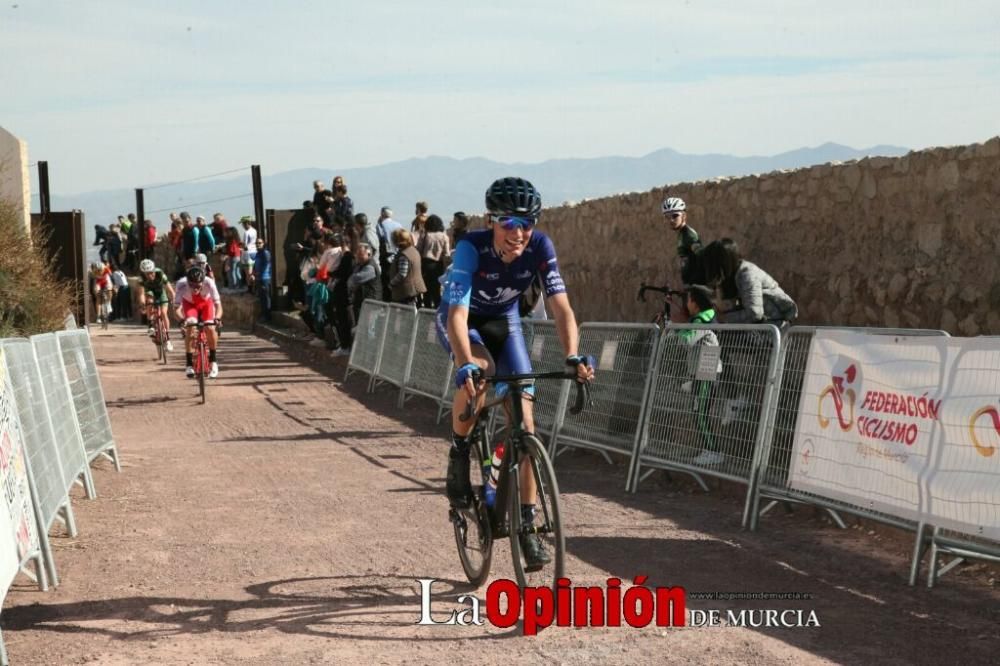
[434,249]
[459,227]
[340,296]
[761,299]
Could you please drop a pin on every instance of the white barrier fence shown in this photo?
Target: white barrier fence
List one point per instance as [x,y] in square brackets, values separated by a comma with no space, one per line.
[726,401]
[53,422]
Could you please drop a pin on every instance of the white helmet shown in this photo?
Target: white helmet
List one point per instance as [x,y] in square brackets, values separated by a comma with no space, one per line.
[673,205]
[200,258]
[147,266]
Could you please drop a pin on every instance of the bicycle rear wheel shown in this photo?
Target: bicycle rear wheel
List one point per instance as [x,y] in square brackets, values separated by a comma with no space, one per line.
[161,335]
[547,525]
[473,534]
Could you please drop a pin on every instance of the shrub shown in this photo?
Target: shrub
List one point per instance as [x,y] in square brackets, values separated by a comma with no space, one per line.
[32,297]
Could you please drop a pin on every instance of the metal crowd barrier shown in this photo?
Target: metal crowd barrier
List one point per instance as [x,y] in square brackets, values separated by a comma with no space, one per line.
[429,368]
[62,413]
[707,400]
[625,354]
[397,344]
[53,472]
[368,338]
[773,481]
[20,492]
[88,395]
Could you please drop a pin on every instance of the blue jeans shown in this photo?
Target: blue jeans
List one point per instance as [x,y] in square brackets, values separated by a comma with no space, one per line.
[234,272]
[264,293]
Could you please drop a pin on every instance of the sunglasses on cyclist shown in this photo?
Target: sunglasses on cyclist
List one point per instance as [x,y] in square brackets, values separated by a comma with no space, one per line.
[673,216]
[509,222]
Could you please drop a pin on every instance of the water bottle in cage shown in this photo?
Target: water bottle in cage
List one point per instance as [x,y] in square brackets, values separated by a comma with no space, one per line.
[490,489]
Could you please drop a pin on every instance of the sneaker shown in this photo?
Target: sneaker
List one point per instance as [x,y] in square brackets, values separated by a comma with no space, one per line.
[457,485]
[170,346]
[189,371]
[150,331]
[708,458]
[533,549]
[340,352]
[317,342]
[213,371]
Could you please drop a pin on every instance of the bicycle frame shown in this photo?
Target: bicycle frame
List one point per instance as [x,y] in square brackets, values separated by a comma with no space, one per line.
[513,452]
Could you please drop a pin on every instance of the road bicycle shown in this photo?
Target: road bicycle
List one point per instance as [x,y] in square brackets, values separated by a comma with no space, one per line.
[201,365]
[663,316]
[161,334]
[477,526]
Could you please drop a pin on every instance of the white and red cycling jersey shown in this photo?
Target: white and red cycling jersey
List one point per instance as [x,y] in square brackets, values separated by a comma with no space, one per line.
[197,304]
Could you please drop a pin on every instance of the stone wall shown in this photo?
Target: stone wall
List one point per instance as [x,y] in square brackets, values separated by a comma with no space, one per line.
[912,241]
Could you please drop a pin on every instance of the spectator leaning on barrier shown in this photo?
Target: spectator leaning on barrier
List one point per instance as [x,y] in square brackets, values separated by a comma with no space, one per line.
[761,299]
[434,250]
[385,227]
[689,245]
[364,283]
[406,281]
[261,279]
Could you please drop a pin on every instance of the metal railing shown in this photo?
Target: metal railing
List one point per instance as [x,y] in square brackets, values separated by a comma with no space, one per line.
[88,395]
[368,338]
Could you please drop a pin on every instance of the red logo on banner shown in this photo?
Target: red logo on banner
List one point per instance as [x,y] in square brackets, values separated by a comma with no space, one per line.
[985,450]
[842,392]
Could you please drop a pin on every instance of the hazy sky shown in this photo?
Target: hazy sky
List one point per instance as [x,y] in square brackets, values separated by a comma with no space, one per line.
[128,93]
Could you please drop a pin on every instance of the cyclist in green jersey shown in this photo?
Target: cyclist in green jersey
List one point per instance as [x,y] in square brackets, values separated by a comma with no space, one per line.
[156,286]
[688,243]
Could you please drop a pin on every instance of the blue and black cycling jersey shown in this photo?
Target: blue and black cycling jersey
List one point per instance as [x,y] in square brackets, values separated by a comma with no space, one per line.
[482,282]
[479,280]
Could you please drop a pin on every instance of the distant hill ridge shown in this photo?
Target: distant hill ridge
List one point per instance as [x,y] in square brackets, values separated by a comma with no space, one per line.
[450,184]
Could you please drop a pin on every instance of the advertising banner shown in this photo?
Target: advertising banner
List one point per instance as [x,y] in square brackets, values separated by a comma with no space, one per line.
[908,426]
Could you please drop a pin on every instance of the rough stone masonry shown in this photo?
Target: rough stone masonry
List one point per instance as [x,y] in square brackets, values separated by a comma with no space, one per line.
[911,241]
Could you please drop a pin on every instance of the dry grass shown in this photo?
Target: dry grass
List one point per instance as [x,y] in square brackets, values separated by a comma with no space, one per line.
[32,298]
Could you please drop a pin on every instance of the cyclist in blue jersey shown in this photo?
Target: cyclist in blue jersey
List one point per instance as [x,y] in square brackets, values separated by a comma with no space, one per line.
[478,322]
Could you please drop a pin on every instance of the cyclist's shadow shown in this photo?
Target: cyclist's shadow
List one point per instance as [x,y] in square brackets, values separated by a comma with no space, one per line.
[368,607]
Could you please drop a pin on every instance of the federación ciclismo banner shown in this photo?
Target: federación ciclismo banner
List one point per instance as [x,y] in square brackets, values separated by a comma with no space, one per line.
[909,426]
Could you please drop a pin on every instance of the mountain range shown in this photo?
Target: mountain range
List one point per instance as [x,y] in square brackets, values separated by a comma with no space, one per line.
[449,184]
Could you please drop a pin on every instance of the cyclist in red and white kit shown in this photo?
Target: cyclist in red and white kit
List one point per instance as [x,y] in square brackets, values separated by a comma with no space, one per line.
[196,299]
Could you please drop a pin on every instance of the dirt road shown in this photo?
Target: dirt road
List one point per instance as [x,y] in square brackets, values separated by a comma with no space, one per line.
[286,522]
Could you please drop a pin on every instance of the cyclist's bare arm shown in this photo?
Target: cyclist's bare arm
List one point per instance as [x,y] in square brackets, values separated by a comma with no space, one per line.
[569,335]
[170,291]
[458,336]
[218,309]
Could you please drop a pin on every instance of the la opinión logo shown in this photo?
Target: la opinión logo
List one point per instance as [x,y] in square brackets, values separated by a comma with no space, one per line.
[564,606]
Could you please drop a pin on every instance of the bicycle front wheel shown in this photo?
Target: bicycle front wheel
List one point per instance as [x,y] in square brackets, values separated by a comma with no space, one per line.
[546,526]
[473,534]
[202,370]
